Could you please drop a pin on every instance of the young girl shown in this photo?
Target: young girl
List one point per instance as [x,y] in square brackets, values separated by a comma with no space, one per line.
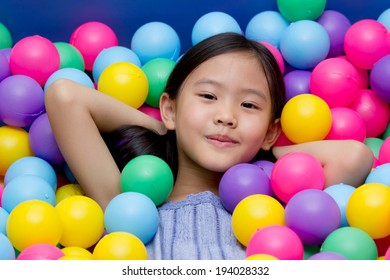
[221,107]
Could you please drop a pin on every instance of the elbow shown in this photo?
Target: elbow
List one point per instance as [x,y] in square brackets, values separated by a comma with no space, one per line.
[58,95]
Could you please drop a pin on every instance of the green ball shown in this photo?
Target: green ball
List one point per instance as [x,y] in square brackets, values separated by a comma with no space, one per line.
[157,72]
[310,250]
[294,10]
[374,144]
[149,175]
[352,243]
[70,56]
[5,37]
[386,133]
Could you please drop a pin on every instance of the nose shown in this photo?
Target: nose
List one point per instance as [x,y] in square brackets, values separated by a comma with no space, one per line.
[226,117]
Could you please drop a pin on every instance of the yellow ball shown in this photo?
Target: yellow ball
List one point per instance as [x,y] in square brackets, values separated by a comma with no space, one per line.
[67,191]
[126,82]
[33,222]
[14,144]
[306,117]
[368,209]
[254,212]
[261,257]
[82,220]
[120,246]
[76,253]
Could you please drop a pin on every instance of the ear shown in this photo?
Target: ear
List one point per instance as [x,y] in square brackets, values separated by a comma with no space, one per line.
[272,135]
[167,111]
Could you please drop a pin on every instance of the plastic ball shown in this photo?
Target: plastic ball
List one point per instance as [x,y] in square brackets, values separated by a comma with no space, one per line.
[297,82]
[120,246]
[40,252]
[213,23]
[240,181]
[306,117]
[266,26]
[148,175]
[1,191]
[134,213]
[151,111]
[76,253]
[112,55]
[82,220]
[336,81]
[277,55]
[352,243]
[384,18]
[373,43]
[384,152]
[5,70]
[43,142]
[266,166]
[374,144]
[67,191]
[327,256]
[294,10]
[255,212]
[312,215]
[363,74]
[276,240]
[347,124]
[156,39]
[379,74]
[22,100]
[387,255]
[39,221]
[72,74]
[373,110]
[126,82]
[261,257]
[304,44]
[36,57]
[295,172]
[7,251]
[14,144]
[368,208]
[6,38]
[90,39]
[70,56]
[380,174]
[3,220]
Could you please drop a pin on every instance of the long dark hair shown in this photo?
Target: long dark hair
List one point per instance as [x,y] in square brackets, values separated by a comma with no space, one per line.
[127,142]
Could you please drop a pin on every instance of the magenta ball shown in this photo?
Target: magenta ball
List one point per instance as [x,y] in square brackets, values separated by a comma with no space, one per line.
[363,74]
[373,110]
[240,181]
[380,77]
[387,254]
[336,81]
[41,252]
[294,172]
[365,42]
[277,55]
[151,111]
[42,141]
[312,214]
[347,124]
[21,100]
[322,256]
[36,57]
[297,82]
[384,152]
[1,193]
[278,241]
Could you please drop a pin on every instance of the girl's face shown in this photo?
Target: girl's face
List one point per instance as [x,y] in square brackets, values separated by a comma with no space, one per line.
[222,115]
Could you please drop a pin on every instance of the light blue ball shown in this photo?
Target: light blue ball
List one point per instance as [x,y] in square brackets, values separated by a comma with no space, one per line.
[7,251]
[134,213]
[341,194]
[32,165]
[112,55]
[3,221]
[213,23]
[267,26]
[304,44]
[379,174]
[72,74]
[26,187]
[384,18]
[156,40]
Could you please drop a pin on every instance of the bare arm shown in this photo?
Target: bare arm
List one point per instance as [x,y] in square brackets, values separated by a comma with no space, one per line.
[344,161]
[77,115]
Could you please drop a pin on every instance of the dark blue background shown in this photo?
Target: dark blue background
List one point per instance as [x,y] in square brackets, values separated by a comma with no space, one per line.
[56,20]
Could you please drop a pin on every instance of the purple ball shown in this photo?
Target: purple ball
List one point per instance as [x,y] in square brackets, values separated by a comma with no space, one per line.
[240,181]
[327,256]
[5,69]
[6,52]
[265,165]
[42,141]
[379,78]
[297,82]
[21,100]
[313,214]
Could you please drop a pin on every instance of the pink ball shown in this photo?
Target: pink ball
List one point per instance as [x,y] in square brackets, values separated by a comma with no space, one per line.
[41,252]
[294,172]
[283,140]
[387,255]
[365,42]
[1,193]
[277,54]
[278,241]
[151,111]
[384,152]
[336,81]
[91,38]
[347,124]
[373,110]
[364,77]
[36,57]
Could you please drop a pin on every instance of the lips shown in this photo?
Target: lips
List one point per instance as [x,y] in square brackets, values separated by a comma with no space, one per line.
[221,140]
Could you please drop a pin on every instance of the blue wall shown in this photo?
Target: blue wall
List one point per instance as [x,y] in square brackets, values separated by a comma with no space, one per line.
[56,20]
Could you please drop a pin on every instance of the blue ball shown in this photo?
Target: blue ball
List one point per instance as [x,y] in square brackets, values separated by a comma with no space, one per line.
[267,26]
[26,187]
[112,55]
[72,74]
[341,194]
[3,221]
[156,40]
[7,251]
[304,44]
[384,18]
[32,165]
[134,213]
[213,23]
[380,174]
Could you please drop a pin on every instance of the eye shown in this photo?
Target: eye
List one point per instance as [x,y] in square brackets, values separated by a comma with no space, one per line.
[250,105]
[208,96]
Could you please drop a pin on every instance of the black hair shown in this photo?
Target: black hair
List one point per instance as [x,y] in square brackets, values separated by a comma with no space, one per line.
[127,142]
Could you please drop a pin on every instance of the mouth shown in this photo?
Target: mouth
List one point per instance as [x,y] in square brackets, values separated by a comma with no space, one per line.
[221,141]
